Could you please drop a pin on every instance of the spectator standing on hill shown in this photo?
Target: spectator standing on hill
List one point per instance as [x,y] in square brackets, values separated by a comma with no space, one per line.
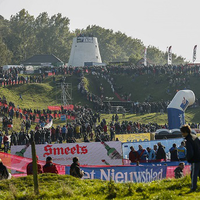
[174,153]
[161,152]
[142,153]
[193,152]
[49,167]
[29,168]
[178,172]
[151,154]
[182,152]
[75,168]
[133,155]
[3,171]
[155,148]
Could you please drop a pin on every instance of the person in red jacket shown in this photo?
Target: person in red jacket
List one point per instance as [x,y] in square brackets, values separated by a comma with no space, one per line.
[133,155]
[29,168]
[49,167]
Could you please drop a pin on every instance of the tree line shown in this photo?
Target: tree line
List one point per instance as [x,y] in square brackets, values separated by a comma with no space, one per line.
[23,36]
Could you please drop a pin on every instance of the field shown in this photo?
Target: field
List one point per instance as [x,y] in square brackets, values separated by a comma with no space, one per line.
[66,187]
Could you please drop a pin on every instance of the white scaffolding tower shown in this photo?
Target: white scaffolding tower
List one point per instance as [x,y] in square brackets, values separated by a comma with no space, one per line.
[66,93]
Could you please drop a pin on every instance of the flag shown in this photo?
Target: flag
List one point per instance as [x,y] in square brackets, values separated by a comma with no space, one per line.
[194,53]
[169,60]
[145,56]
[49,125]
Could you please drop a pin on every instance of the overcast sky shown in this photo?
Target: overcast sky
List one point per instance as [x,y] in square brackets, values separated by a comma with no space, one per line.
[160,23]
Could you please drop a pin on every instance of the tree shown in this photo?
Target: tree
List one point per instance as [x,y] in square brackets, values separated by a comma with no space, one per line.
[5,54]
[134,58]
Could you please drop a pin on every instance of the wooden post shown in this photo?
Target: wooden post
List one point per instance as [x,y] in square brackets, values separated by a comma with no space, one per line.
[35,170]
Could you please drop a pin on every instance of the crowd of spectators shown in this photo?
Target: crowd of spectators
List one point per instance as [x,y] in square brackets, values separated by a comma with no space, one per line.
[157,153]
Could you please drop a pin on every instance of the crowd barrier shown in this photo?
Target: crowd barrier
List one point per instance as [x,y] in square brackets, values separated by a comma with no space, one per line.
[57,108]
[135,137]
[18,164]
[92,153]
[123,174]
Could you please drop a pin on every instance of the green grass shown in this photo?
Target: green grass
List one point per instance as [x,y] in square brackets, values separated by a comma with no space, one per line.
[143,86]
[39,96]
[191,116]
[66,187]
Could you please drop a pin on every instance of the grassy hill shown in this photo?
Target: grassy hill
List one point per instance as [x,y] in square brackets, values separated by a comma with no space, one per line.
[142,86]
[66,187]
[39,96]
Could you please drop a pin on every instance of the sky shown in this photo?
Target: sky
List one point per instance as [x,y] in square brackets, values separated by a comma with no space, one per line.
[160,23]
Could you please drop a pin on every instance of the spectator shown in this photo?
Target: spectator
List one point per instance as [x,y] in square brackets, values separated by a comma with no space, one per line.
[3,171]
[178,172]
[151,155]
[193,152]
[133,155]
[174,153]
[182,152]
[142,154]
[75,168]
[161,152]
[29,168]
[49,167]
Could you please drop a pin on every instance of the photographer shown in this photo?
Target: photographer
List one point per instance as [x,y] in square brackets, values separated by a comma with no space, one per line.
[75,168]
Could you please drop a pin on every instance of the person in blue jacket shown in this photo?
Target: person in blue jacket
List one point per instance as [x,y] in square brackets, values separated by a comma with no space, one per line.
[142,154]
[182,152]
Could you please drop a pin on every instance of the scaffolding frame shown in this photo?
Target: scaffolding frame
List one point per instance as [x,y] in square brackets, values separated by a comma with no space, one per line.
[66,93]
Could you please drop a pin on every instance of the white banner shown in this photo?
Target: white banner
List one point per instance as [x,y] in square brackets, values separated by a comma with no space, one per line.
[169,60]
[94,153]
[194,53]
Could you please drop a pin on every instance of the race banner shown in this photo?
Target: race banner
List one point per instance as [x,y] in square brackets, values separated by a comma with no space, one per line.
[145,56]
[18,164]
[169,60]
[194,53]
[166,143]
[135,137]
[122,174]
[94,153]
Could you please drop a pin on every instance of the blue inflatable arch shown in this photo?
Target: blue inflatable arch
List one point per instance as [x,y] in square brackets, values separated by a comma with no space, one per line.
[176,109]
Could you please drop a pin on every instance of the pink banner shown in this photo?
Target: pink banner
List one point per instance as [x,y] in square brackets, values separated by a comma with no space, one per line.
[19,163]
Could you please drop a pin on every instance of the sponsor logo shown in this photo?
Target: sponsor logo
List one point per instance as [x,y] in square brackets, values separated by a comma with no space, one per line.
[147,175]
[77,149]
[184,103]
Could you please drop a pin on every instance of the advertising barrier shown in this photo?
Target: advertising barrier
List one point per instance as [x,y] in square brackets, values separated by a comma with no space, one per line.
[136,137]
[124,174]
[94,153]
[166,143]
[18,164]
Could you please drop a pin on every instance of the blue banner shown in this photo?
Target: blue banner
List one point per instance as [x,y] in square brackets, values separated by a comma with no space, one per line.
[123,174]
[166,143]
[63,117]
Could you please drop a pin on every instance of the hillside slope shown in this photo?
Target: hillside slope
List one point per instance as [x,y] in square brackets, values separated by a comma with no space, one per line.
[39,96]
[157,86]
[66,187]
